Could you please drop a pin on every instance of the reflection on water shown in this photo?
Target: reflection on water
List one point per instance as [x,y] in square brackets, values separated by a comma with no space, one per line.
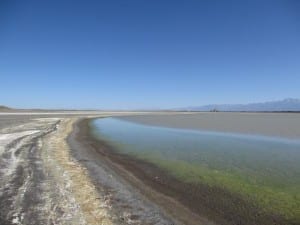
[247,154]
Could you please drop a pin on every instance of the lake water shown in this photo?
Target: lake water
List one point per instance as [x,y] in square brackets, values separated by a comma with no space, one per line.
[266,169]
[256,156]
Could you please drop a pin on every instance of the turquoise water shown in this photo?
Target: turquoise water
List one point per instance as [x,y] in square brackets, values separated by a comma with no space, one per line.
[265,159]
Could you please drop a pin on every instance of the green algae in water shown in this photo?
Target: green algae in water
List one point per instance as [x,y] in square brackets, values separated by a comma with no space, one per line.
[266,169]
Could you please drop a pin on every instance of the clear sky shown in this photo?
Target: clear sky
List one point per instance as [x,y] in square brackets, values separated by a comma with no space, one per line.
[147,53]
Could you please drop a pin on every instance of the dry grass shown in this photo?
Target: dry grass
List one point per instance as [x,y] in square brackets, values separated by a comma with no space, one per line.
[93,206]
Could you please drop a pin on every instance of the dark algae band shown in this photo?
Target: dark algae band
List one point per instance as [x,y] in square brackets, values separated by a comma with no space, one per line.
[214,202]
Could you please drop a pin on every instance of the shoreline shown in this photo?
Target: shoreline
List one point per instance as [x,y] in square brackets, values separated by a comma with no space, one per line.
[186,203]
[127,202]
[169,207]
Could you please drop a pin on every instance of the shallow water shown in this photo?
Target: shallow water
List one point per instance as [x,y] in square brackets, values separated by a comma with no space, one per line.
[266,159]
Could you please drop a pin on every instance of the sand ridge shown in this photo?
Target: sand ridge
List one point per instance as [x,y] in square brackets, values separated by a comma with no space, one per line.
[92,206]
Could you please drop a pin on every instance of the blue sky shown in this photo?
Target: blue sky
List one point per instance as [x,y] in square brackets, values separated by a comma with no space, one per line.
[147,53]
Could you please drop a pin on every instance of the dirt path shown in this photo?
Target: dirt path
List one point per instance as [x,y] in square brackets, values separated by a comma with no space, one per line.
[24,185]
[39,181]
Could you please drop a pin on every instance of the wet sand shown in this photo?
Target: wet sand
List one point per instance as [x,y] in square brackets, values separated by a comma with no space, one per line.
[286,125]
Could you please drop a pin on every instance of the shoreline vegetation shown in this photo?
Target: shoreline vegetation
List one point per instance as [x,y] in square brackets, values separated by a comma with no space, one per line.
[215,202]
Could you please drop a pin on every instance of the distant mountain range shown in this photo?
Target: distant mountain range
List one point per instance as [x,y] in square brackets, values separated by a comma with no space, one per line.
[289,104]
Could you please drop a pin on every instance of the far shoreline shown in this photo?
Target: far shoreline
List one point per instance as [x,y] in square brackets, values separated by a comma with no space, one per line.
[272,124]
